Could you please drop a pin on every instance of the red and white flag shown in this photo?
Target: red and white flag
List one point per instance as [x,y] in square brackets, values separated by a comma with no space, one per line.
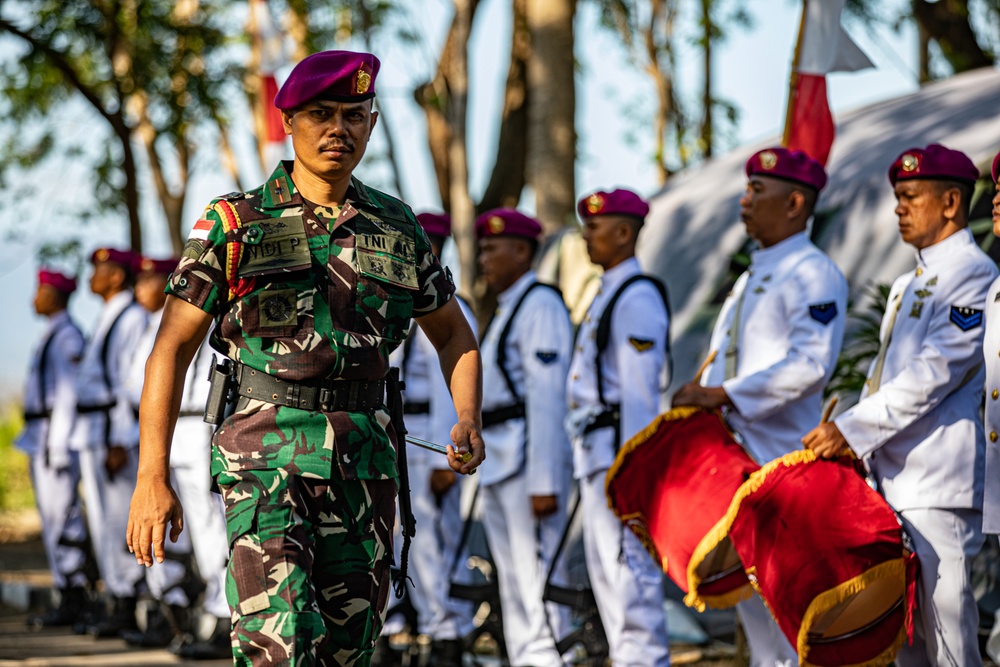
[824,47]
[270,46]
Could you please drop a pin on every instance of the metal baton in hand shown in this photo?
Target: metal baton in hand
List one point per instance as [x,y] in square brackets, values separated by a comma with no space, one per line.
[464,457]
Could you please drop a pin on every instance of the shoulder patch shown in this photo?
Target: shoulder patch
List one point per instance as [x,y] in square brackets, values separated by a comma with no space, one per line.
[641,344]
[547,357]
[966,318]
[823,312]
[200,230]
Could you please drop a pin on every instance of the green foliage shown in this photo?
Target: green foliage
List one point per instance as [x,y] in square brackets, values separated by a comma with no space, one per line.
[15,479]
[861,343]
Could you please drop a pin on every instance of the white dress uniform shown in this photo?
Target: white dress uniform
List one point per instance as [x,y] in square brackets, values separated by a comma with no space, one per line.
[918,427]
[204,532]
[430,415]
[629,590]
[788,311]
[528,456]
[50,409]
[105,417]
[991,353]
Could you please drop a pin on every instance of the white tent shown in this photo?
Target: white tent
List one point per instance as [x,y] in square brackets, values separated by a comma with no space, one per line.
[693,228]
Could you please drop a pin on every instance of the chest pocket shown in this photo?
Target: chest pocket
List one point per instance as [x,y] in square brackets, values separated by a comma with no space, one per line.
[386,265]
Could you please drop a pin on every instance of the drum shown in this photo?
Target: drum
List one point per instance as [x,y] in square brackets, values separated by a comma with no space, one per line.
[826,554]
[672,485]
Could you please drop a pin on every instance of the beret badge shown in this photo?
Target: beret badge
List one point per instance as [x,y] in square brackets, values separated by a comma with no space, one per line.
[595,203]
[364,82]
[147,265]
[102,255]
[496,224]
[910,162]
[768,160]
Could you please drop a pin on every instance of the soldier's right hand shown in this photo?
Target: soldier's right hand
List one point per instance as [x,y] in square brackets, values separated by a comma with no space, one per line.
[466,438]
[154,506]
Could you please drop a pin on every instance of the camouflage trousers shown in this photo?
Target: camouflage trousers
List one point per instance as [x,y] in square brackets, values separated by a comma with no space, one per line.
[308,579]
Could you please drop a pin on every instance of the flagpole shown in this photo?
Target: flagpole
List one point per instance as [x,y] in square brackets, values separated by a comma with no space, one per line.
[794,78]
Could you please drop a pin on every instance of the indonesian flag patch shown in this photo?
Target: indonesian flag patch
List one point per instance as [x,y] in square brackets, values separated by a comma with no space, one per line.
[200,230]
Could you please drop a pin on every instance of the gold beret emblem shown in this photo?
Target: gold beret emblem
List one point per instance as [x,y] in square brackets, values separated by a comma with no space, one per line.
[495,224]
[102,255]
[364,82]
[147,265]
[910,162]
[595,203]
[768,160]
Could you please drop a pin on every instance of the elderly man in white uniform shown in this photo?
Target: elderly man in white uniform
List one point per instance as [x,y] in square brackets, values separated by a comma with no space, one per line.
[917,424]
[435,490]
[102,433]
[617,374]
[49,411]
[189,474]
[525,481]
[777,339]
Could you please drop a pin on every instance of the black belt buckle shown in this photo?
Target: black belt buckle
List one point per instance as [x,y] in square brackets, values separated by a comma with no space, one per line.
[326,399]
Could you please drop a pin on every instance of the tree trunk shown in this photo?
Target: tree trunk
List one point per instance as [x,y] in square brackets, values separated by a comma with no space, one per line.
[462,212]
[661,23]
[948,23]
[707,101]
[131,193]
[552,111]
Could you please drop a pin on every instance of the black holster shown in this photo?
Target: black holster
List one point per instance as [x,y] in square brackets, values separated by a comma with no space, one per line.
[407,524]
[222,393]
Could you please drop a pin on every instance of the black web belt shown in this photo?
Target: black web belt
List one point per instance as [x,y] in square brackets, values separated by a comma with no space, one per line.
[416,407]
[609,418]
[32,416]
[327,396]
[502,414]
[100,407]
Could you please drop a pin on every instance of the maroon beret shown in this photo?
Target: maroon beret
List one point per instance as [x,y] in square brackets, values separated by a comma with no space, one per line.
[996,168]
[616,202]
[507,222]
[787,165]
[59,281]
[437,224]
[934,162]
[123,258]
[341,76]
[149,265]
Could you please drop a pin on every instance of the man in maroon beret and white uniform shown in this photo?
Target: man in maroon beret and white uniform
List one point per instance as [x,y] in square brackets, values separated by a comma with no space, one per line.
[777,339]
[917,425]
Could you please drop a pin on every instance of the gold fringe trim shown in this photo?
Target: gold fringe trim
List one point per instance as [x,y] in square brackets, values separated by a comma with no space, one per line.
[829,599]
[720,531]
[640,439]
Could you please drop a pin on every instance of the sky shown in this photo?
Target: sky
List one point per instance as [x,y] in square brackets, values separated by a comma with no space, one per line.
[614,145]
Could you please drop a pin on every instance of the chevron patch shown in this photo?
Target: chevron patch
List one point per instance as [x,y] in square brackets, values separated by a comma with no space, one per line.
[640,344]
[966,318]
[546,357]
[823,312]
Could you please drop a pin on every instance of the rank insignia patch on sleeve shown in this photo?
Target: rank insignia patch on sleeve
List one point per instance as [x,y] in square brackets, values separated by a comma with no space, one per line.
[823,312]
[640,344]
[547,357]
[966,318]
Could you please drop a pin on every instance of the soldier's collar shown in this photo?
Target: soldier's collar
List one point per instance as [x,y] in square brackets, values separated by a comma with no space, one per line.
[361,191]
[279,191]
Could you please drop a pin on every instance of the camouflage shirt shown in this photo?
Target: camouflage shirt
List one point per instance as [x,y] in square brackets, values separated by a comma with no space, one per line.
[306,293]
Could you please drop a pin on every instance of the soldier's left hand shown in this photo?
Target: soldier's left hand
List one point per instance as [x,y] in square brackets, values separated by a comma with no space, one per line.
[693,394]
[827,441]
[542,506]
[116,459]
[441,481]
[465,437]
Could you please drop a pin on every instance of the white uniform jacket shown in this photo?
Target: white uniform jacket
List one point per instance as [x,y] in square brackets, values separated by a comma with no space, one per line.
[633,366]
[192,436]
[792,305]
[991,352]
[425,385]
[91,387]
[62,345]
[537,348]
[921,432]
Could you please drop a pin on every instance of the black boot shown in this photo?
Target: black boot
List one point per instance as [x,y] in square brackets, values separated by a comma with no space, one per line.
[72,604]
[122,617]
[446,653]
[216,647]
[385,655]
[159,631]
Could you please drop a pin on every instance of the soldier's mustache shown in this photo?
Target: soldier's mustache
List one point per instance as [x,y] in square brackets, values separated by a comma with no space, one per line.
[340,147]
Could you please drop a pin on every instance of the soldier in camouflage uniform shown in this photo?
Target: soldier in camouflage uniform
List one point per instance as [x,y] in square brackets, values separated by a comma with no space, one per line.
[311,280]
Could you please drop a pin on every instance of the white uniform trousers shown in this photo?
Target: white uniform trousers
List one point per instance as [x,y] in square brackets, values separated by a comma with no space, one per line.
[947,620]
[64,532]
[432,551]
[768,645]
[630,593]
[107,502]
[522,548]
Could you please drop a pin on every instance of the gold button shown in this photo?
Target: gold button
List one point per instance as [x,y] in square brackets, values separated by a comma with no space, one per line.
[576,376]
[920,271]
[574,406]
[993,436]
[995,394]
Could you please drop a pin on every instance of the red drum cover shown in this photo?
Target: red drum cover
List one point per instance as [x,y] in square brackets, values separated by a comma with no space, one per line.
[671,484]
[826,554]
